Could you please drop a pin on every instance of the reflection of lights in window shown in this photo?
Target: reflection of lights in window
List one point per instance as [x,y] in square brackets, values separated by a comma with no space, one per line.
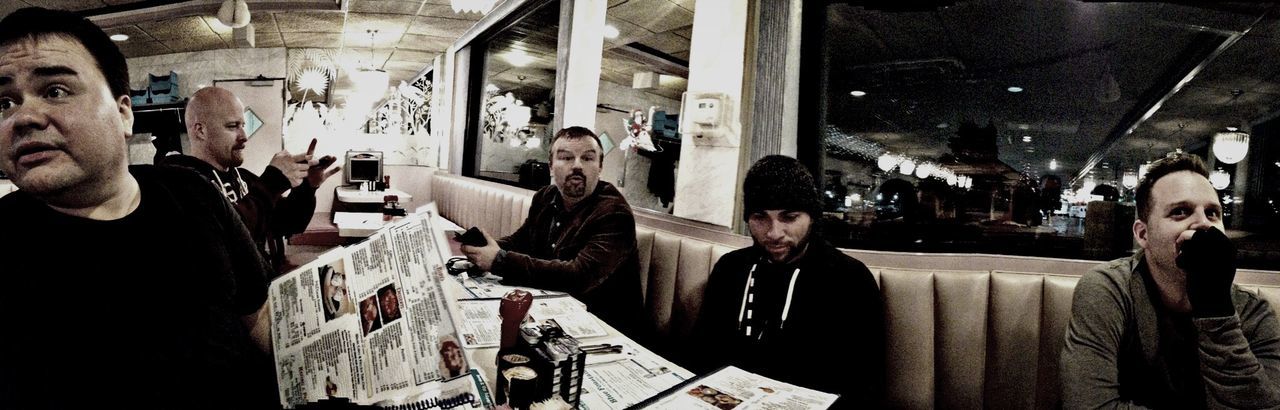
[1219,179]
[830,194]
[1053,165]
[887,161]
[518,58]
[1129,180]
[533,142]
[1227,200]
[514,142]
[879,197]
[1015,89]
[119,37]
[491,88]
[517,115]
[1026,138]
[610,32]
[907,167]
[1142,169]
[924,170]
[858,93]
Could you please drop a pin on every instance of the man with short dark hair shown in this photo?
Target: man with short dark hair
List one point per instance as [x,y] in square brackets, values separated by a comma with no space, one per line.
[1166,328]
[767,304]
[179,328]
[580,237]
[215,125]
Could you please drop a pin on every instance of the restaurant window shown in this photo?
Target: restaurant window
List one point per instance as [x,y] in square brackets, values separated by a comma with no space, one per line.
[514,98]
[643,74]
[1014,127]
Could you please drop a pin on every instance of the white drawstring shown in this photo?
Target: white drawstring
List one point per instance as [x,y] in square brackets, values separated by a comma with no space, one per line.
[791,289]
[746,293]
[749,296]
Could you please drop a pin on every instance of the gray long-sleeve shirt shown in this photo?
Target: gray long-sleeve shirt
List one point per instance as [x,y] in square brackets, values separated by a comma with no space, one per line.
[1119,351]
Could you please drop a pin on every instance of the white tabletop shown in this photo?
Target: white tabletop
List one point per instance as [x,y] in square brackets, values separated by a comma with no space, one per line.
[354,195]
[358,224]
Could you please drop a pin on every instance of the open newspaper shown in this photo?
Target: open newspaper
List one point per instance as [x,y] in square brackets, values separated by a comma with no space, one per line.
[734,388]
[368,323]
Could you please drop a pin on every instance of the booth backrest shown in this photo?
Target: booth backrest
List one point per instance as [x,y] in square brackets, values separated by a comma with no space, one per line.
[963,331]
[496,208]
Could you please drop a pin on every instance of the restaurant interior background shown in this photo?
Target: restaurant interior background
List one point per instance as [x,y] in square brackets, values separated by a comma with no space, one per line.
[1012,127]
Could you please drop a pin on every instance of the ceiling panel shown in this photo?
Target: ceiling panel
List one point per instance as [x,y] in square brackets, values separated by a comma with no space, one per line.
[656,15]
[440,27]
[386,6]
[312,40]
[310,22]
[195,43]
[189,26]
[425,43]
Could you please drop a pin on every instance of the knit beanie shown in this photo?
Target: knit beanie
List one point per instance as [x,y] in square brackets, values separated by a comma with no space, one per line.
[779,182]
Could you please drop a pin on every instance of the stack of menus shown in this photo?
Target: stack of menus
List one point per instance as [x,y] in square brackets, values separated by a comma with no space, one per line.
[367,325]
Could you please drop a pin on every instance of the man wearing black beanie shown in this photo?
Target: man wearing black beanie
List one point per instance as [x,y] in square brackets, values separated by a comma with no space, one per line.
[768,304]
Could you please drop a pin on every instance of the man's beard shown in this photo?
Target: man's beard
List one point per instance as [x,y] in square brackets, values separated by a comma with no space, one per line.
[575,188]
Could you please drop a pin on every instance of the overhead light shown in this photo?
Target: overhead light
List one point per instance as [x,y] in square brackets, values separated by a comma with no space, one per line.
[1053,165]
[887,161]
[924,170]
[943,125]
[1026,138]
[1015,89]
[1024,127]
[1230,147]
[1129,180]
[1233,129]
[610,32]
[858,93]
[472,6]
[234,13]
[1219,179]
[119,37]
[907,167]
[518,58]
[1142,170]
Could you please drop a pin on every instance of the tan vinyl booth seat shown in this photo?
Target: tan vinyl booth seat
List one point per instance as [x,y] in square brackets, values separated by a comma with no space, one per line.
[962,331]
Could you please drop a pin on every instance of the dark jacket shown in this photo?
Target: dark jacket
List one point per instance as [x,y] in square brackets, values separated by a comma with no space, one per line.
[588,252]
[832,290]
[267,213]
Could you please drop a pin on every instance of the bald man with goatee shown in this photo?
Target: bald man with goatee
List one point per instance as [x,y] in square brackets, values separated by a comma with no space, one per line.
[215,126]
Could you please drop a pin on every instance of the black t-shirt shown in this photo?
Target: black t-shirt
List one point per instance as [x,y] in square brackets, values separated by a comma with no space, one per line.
[143,311]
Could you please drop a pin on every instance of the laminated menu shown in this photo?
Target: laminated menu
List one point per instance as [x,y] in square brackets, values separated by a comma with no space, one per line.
[734,388]
[368,324]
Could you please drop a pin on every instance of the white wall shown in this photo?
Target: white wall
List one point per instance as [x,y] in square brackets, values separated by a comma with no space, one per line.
[611,122]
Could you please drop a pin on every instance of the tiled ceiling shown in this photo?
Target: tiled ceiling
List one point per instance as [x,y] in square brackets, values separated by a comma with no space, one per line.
[410,33]
[1088,72]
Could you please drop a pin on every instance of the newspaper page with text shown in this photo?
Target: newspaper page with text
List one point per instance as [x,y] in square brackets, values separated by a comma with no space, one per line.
[369,323]
[734,388]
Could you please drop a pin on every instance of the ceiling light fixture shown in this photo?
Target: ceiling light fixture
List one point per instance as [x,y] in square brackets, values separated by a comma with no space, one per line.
[234,13]
[1129,180]
[1053,165]
[887,161]
[1230,147]
[119,37]
[1026,138]
[1015,89]
[518,58]
[907,166]
[472,6]
[1219,179]
[610,32]
[858,93]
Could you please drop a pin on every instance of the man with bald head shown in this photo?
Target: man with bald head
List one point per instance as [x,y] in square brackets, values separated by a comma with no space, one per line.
[215,127]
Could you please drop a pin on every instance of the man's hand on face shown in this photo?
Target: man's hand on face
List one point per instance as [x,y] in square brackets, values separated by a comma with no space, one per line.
[1209,259]
[482,256]
[318,170]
